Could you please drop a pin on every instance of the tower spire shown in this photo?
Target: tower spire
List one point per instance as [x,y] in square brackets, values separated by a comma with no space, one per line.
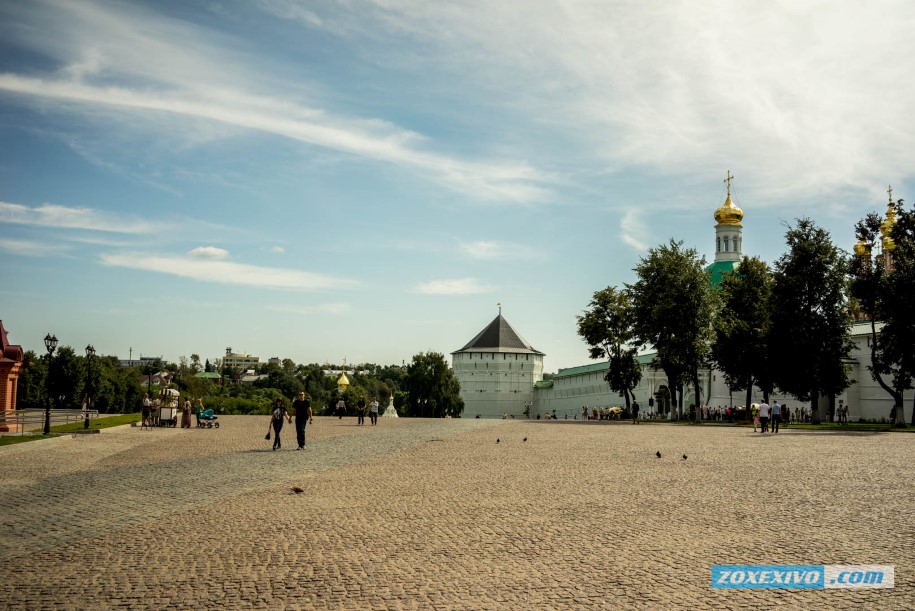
[500,308]
[889,191]
[728,181]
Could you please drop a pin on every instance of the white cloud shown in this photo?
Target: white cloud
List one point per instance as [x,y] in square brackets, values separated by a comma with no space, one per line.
[31,248]
[492,249]
[325,308]
[225,272]
[633,231]
[51,215]
[278,249]
[677,87]
[463,286]
[129,59]
[209,252]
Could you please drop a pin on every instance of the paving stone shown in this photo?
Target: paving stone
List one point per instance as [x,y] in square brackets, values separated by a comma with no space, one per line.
[432,514]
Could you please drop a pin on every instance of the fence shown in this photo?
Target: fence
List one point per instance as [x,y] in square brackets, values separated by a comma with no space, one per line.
[25,420]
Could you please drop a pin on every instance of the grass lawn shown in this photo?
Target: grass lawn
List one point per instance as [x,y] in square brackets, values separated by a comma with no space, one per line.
[102,422]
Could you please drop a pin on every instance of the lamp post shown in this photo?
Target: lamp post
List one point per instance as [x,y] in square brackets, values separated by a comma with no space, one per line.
[90,352]
[50,344]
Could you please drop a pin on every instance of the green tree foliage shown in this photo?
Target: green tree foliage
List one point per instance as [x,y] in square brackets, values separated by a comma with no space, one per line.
[30,388]
[811,312]
[67,375]
[898,333]
[606,326]
[434,391]
[741,349]
[673,307]
[871,289]
[114,388]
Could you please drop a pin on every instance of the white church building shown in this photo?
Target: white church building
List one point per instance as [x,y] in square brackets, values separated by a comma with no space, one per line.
[501,373]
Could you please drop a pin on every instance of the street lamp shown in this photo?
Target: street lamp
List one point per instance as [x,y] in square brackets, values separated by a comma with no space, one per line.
[90,352]
[50,344]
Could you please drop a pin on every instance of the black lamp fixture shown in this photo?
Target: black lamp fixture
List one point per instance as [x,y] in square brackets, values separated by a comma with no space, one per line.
[50,344]
[90,352]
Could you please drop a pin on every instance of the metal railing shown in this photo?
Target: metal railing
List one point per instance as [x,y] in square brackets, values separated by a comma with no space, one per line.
[29,420]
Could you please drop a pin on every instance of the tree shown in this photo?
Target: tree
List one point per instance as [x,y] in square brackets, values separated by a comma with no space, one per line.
[741,349]
[67,377]
[898,333]
[673,307]
[433,389]
[811,308]
[870,287]
[31,386]
[606,326]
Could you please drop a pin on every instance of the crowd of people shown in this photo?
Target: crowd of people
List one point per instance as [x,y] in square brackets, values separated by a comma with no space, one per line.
[151,413]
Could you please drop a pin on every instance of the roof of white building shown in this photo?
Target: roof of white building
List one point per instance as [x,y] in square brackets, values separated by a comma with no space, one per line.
[499,336]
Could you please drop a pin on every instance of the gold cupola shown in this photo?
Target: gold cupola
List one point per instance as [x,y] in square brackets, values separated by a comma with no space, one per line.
[886,227]
[728,214]
[862,248]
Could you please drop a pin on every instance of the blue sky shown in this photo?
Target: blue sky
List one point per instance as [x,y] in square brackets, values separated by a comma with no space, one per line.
[323,180]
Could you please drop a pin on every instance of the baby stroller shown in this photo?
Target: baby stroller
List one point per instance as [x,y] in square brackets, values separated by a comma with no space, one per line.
[207,419]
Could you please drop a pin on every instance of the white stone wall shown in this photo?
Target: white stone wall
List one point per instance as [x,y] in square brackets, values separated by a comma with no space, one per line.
[496,383]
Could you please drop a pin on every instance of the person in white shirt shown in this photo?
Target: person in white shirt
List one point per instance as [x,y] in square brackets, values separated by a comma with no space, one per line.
[763,417]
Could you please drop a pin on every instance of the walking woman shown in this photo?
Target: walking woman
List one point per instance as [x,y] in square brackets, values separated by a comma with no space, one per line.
[279,414]
[186,414]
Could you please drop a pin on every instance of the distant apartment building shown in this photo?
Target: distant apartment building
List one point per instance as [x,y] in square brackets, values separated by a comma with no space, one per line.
[143,361]
[241,362]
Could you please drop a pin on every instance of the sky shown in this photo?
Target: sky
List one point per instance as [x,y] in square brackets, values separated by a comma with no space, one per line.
[366,180]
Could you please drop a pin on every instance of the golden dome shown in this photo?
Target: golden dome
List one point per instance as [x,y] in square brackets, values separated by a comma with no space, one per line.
[729,214]
[342,381]
[862,248]
[887,225]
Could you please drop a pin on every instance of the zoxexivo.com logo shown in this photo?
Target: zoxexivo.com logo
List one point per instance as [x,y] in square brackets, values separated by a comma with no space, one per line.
[802,576]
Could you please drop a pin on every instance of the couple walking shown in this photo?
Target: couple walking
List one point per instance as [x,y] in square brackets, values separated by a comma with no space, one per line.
[301,407]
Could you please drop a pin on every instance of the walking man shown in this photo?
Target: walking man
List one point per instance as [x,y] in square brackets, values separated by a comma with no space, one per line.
[764,417]
[360,411]
[635,412]
[776,415]
[302,408]
[373,410]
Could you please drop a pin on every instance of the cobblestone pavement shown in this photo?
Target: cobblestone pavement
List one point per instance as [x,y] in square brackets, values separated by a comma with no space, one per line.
[435,514]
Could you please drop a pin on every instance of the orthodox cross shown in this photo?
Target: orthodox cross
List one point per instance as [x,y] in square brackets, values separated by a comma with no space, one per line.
[728,180]
[500,308]
[889,190]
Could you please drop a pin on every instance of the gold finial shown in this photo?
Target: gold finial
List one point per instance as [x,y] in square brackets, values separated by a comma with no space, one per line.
[728,180]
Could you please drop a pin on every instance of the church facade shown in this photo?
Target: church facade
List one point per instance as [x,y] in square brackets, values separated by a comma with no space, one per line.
[501,373]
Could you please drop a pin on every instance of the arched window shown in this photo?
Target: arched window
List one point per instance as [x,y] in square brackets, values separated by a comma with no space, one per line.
[725,243]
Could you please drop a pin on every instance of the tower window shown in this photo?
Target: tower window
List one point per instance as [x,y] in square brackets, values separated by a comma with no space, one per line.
[719,244]
[725,243]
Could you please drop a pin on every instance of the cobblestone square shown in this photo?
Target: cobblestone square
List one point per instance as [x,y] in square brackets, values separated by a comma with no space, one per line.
[423,514]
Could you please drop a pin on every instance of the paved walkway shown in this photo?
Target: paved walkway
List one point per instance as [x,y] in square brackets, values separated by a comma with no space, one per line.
[436,514]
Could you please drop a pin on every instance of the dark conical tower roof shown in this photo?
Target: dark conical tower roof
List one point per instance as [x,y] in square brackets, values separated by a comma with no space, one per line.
[499,336]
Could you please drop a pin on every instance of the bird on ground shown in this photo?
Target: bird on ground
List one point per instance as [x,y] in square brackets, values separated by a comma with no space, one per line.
[525,439]
[297,490]
[658,454]
[497,440]
[684,457]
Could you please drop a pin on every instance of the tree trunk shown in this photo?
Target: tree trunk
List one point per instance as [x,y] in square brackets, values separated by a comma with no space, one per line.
[900,415]
[897,396]
[696,417]
[749,412]
[679,401]
[815,407]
